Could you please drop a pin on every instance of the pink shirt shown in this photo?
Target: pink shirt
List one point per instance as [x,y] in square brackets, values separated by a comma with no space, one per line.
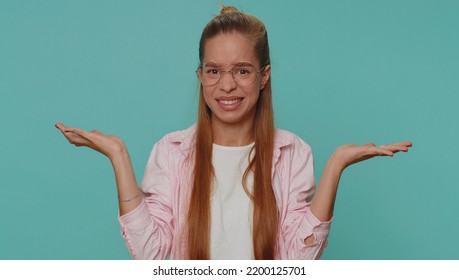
[155,229]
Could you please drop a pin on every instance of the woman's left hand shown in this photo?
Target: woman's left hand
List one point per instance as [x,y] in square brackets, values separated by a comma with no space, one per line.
[349,154]
[324,200]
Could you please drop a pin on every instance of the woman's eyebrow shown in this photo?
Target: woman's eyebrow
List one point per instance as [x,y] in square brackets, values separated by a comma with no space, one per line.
[211,64]
[243,63]
[239,64]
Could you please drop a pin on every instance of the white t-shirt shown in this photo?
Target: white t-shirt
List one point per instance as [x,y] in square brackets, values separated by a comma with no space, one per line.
[231,207]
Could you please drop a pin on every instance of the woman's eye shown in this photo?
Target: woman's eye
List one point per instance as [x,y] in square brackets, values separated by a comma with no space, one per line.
[212,71]
[242,71]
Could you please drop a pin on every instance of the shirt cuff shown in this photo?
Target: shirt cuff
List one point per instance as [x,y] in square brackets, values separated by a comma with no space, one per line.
[136,219]
[312,225]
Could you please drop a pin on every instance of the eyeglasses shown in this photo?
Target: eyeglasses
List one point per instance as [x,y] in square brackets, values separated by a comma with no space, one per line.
[244,74]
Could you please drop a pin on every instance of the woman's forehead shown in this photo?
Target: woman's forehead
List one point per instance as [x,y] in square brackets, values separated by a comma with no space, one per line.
[229,49]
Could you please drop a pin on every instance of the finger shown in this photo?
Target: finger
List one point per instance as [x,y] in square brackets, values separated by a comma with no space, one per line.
[380,151]
[395,148]
[93,139]
[97,132]
[71,137]
[65,130]
[79,137]
[60,126]
[80,132]
[76,140]
[369,145]
[368,151]
[405,144]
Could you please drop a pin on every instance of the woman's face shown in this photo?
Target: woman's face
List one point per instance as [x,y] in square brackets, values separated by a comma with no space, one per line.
[232,101]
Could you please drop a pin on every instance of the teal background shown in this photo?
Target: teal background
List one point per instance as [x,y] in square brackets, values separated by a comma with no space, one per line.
[343,72]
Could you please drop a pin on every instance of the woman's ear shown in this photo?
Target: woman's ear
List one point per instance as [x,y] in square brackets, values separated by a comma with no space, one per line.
[265,75]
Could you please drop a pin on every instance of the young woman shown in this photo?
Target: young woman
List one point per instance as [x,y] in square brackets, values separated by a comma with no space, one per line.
[231,186]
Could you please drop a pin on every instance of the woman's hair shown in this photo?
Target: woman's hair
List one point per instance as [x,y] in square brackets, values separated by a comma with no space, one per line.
[265,213]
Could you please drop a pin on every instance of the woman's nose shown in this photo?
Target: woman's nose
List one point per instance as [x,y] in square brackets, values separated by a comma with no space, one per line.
[227,82]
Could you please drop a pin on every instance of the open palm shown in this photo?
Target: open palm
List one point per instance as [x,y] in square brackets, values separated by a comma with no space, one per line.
[108,145]
[350,153]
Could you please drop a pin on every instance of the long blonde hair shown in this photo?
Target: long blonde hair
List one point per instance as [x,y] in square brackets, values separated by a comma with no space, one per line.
[265,213]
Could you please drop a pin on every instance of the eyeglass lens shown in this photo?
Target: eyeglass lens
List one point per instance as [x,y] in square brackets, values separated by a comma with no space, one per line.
[244,75]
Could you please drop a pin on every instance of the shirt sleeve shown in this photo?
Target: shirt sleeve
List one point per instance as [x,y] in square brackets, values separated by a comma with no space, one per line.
[147,230]
[300,222]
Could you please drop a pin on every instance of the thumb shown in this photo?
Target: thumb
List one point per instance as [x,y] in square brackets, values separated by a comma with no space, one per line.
[369,145]
[97,132]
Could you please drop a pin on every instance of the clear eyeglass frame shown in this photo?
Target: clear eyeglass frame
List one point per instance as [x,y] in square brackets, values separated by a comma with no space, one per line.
[246,81]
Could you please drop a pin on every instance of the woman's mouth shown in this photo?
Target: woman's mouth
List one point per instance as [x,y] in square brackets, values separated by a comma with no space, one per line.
[230,104]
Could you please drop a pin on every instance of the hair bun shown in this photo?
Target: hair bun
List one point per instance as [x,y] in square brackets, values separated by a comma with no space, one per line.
[228,9]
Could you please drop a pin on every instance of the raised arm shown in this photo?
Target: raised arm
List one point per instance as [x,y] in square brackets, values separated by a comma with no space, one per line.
[129,196]
[346,155]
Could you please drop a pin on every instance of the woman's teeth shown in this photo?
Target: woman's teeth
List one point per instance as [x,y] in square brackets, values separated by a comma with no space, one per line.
[229,102]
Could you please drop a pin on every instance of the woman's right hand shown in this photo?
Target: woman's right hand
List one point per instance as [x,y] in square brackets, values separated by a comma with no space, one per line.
[109,145]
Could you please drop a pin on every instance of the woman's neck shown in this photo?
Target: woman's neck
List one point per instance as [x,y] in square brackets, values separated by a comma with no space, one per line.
[232,135]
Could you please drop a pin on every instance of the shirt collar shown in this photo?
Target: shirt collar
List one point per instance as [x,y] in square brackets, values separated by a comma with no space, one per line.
[186,140]
[280,141]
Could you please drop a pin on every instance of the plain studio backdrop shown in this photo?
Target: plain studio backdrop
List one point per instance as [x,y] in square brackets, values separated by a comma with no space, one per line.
[342,71]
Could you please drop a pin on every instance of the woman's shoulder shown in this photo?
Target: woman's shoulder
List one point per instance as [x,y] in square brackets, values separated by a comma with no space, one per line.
[180,135]
[183,138]
[285,138]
